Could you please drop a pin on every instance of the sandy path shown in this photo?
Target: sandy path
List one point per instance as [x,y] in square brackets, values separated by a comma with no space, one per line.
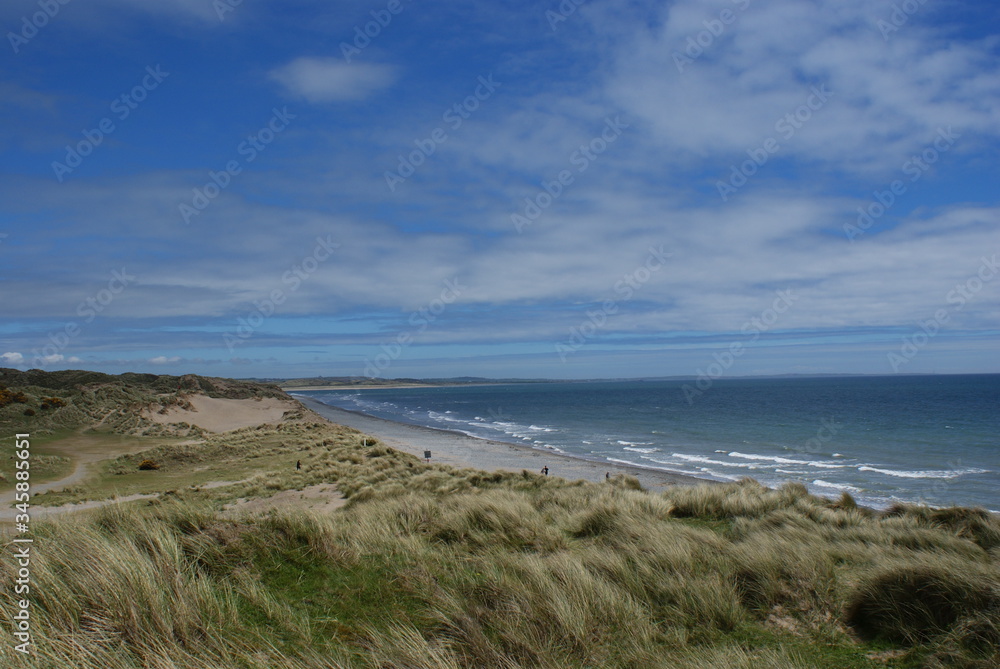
[460,450]
[212,414]
[80,473]
[42,512]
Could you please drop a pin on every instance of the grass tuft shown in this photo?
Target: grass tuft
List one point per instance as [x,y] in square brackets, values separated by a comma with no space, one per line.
[913,603]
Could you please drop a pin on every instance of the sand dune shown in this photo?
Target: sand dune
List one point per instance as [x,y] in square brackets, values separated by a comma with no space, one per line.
[221,415]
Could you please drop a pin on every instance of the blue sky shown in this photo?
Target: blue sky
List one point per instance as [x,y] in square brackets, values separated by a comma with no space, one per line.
[576,190]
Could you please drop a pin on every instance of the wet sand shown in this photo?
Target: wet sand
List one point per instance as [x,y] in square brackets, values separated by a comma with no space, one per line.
[461,450]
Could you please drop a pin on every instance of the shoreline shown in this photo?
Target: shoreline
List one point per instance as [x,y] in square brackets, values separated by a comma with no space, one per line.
[395,386]
[359,387]
[461,450]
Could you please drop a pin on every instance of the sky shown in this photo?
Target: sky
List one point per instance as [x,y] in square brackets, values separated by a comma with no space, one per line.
[574,189]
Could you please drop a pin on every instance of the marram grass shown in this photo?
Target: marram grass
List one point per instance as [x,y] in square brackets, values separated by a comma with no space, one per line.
[429,566]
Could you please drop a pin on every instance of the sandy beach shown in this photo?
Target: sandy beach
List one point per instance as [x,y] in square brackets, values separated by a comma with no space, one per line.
[461,450]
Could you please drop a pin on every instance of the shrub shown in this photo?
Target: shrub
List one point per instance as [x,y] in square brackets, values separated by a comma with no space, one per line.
[8,396]
[29,412]
[147,465]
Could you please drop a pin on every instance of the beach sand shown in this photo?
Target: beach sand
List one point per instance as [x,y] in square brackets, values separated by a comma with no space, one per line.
[461,450]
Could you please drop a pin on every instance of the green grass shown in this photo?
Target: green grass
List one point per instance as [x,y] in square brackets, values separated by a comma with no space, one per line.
[343,597]
[432,566]
[437,567]
[43,468]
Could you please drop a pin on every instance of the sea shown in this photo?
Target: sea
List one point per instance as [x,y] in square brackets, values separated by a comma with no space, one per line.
[883,439]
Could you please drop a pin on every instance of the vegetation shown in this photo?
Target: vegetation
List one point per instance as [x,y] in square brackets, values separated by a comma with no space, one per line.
[121,404]
[8,396]
[431,566]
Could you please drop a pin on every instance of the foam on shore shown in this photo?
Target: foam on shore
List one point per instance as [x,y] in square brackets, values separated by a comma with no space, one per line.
[462,450]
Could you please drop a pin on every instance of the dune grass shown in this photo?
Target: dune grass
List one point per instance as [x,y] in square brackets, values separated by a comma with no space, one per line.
[431,566]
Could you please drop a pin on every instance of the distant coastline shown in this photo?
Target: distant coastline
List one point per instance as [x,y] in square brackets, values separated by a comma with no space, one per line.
[878,439]
[462,450]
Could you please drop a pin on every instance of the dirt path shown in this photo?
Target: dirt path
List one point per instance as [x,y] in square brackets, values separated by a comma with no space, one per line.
[321,497]
[43,512]
[79,474]
[85,449]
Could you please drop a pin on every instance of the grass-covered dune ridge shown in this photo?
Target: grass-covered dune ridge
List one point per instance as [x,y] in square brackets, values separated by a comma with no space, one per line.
[432,566]
[429,566]
[85,398]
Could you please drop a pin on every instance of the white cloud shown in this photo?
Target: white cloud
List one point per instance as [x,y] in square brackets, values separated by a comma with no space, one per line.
[200,9]
[52,359]
[205,12]
[164,360]
[887,98]
[12,358]
[331,79]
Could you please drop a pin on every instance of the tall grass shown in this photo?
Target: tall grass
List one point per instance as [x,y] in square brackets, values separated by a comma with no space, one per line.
[430,566]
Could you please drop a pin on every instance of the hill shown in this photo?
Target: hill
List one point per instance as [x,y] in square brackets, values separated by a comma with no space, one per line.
[40,402]
[228,561]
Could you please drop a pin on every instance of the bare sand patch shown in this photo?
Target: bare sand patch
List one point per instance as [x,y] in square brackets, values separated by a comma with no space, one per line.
[216,414]
[320,497]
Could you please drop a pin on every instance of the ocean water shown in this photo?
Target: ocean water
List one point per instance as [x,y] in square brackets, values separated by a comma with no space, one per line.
[929,439]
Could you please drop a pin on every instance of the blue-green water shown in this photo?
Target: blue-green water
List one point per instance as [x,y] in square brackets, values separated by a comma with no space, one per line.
[932,439]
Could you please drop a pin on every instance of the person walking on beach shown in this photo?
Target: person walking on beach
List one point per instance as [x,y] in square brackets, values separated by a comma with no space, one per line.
[545,470]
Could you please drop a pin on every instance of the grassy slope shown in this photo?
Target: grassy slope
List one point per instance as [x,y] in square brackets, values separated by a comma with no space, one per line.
[429,566]
[113,403]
